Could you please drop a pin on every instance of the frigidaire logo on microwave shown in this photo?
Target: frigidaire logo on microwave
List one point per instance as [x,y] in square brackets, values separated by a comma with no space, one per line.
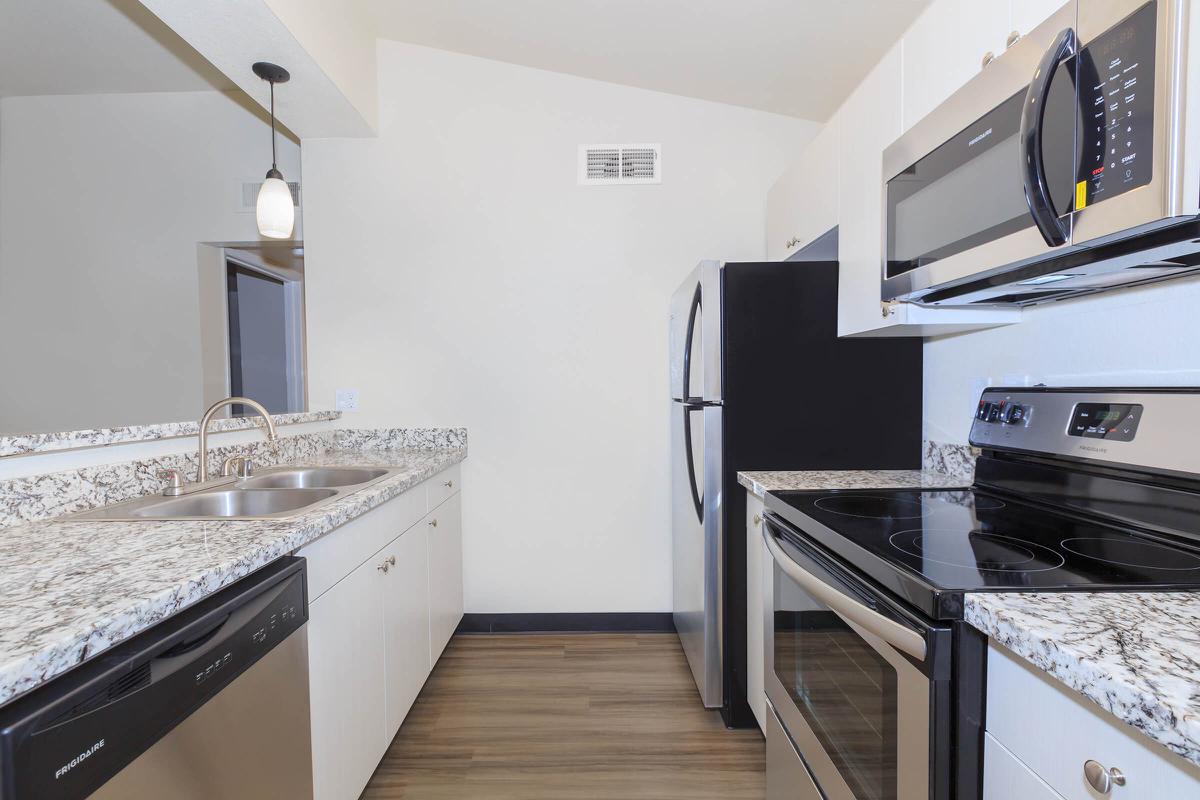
[77,760]
[980,138]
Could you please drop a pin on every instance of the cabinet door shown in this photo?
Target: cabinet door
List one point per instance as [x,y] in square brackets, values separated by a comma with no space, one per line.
[869,122]
[406,623]
[346,678]
[944,49]
[1028,14]
[444,529]
[820,179]
[1005,777]
[785,213]
[755,685]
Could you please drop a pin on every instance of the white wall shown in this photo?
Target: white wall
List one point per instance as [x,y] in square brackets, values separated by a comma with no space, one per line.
[104,199]
[1135,337]
[457,275]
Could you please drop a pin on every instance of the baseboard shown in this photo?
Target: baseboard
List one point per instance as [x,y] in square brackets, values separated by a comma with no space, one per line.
[619,622]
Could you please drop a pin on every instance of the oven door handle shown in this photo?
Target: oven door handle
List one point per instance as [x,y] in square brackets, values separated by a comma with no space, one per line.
[895,634]
[1033,115]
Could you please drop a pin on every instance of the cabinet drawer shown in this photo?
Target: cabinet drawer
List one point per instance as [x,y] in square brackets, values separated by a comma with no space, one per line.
[443,485]
[1054,730]
[337,553]
[1005,777]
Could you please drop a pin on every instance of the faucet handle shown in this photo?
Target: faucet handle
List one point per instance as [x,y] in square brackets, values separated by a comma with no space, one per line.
[175,487]
[238,466]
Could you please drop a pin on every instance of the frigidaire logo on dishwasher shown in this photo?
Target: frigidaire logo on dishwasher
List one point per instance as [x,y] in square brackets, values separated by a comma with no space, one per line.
[74,762]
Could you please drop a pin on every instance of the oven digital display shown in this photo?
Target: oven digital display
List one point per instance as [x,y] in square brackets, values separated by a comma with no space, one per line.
[1113,421]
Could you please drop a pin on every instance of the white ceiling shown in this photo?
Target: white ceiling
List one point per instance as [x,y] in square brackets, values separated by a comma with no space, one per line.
[95,46]
[795,57]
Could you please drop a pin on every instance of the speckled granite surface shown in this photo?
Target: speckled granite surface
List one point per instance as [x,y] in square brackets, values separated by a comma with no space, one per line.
[25,444]
[52,494]
[762,482]
[1135,654]
[69,590]
[391,438]
[950,459]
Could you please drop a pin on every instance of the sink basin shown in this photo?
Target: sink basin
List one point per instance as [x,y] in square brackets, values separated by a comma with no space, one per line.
[313,477]
[275,493]
[234,503]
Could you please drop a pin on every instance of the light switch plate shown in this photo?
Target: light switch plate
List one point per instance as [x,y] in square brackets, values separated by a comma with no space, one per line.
[347,399]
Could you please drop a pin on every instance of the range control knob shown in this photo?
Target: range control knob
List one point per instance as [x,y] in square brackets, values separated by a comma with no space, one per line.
[985,410]
[1015,414]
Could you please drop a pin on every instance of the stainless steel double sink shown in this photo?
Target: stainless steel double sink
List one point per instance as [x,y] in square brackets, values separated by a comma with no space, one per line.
[275,493]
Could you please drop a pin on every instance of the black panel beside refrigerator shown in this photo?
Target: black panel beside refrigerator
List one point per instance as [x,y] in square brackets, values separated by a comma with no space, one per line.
[791,396]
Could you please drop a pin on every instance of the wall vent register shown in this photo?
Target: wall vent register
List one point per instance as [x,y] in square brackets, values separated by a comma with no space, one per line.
[617,164]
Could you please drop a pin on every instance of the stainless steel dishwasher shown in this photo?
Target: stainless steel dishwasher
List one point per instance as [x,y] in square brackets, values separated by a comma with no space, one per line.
[211,703]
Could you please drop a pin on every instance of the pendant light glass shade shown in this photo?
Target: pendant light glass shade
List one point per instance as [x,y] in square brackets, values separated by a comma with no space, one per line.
[275,212]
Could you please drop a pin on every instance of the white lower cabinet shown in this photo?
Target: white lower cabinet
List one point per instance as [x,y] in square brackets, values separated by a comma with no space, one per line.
[406,605]
[346,673]
[1053,731]
[376,628]
[758,565]
[444,528]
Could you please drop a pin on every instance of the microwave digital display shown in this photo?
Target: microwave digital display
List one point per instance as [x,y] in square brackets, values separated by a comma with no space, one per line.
[1116,87]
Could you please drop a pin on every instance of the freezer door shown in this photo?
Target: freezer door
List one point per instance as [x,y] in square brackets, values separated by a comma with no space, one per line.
[696,499]
[695,336]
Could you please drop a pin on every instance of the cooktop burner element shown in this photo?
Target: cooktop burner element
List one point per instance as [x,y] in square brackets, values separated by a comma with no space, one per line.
[872,506]
[1126,553]
[976,550]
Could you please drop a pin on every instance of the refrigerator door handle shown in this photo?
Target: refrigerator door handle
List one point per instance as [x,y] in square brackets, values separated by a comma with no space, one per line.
[697,498]
[687,345]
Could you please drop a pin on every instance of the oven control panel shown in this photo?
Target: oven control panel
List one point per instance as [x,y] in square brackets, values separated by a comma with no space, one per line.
[1116,87]
[1135,427]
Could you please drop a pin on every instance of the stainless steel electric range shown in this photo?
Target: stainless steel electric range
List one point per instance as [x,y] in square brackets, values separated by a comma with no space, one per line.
[875,682]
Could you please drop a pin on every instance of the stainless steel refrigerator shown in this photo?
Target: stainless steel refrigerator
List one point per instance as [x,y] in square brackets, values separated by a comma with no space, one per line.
[760,380]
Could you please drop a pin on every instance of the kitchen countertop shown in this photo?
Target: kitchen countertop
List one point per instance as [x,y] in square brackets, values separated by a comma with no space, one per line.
[776,481]
[1135,654]
[70,589]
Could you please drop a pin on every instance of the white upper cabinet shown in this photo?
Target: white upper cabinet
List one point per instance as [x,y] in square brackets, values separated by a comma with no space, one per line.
[803,203]
[946,47]
[1028,14]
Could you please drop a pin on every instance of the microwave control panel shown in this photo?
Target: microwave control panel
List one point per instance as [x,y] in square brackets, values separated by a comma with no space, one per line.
[1115,80]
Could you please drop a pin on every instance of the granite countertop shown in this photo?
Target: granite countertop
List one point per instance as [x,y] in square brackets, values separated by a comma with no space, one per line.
[1135,654]
[70,589]
[762,482]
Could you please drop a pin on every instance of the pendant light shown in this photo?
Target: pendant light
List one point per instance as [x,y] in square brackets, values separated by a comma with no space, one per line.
[275,210]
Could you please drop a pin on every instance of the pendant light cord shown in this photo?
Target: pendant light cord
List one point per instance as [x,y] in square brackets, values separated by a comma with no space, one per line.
[273,125]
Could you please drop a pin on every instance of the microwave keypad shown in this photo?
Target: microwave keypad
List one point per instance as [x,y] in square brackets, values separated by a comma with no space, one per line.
[1116,82]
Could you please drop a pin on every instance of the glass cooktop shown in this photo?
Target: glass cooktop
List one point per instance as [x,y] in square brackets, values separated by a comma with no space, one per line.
[932,546]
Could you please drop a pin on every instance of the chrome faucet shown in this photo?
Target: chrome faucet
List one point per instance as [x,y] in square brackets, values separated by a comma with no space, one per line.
[207,418]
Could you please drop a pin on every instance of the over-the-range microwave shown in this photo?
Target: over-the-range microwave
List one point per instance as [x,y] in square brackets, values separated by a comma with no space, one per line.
[1070,164]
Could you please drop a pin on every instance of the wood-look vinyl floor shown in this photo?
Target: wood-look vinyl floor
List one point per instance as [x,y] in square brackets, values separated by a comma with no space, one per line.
[550,717]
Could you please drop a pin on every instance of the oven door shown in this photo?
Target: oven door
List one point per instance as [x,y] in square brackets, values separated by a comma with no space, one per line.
[852,677]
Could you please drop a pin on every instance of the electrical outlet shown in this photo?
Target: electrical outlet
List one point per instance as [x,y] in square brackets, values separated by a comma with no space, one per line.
[347,399]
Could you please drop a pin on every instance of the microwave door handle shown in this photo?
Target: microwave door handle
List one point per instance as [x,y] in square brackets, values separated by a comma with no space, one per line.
[1033,115]
[895,634]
